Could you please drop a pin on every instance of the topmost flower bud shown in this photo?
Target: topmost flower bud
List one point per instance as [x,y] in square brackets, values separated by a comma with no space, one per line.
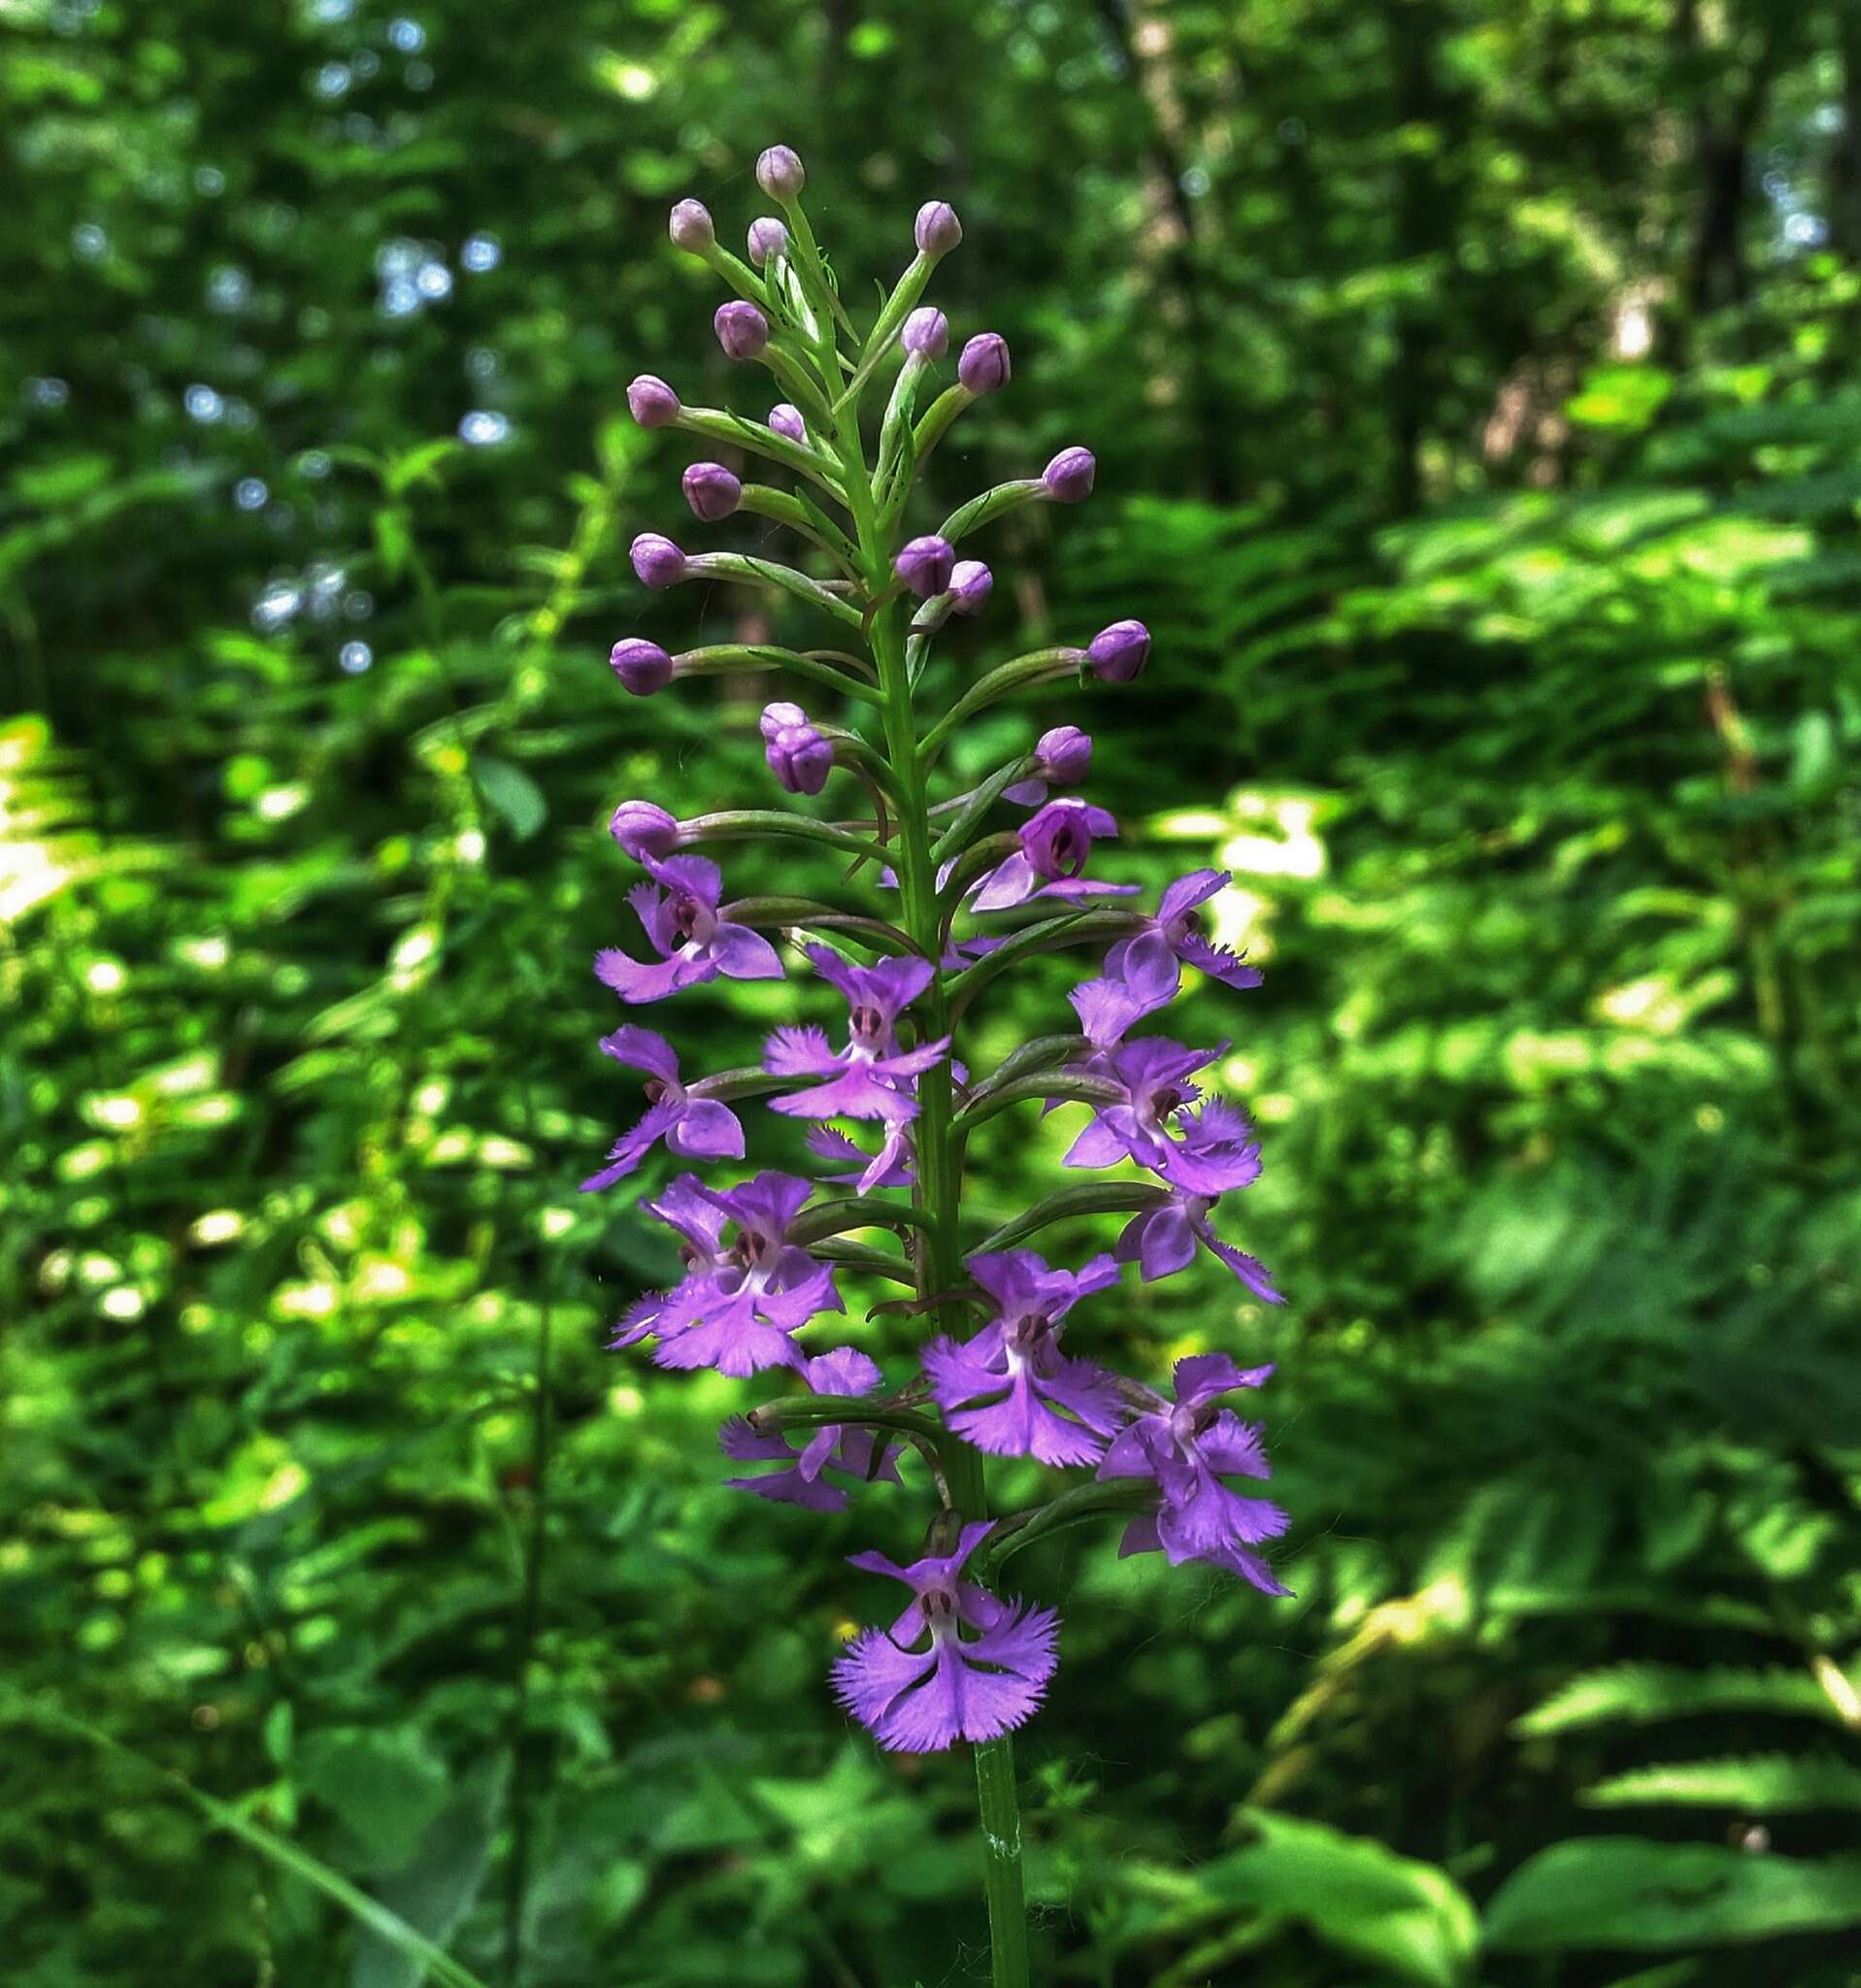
[767,236]
[780,174]
[690,227]
[938,230]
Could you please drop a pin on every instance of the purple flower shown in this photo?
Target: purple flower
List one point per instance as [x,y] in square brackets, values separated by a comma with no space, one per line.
[1061,756]
[1010,1390]
[651,402]
[643,829]
[868,1078]
[711,491]
[742,329]
[679,909]
[780,174]
[1189,1446]
[924,565]
[786,421]
[1161,1241]
[983,366]
[1068,478]
[892,1165]
[767,236]
[830,1445]
[736,1309]
[693,1125]
[921,1685]
[1148,959]
[658,561]
[1117,653]
[971,583]
[642,667]
[799,755]
[690,227]
[1153,1123]
[936,230]
[926,333]
[1055,843]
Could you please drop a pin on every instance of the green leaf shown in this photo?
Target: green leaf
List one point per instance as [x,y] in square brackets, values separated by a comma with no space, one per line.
[436,1889]
[1409,1918]
[385,1787]
[1762,1784]
[513,794]
[1642,1693]
[1626,1892]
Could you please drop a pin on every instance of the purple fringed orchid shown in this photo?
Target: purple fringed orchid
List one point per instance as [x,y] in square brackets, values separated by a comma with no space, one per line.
[1188,1445]
[736,1309]
[847,1450]
[1161,1241]
[923,1685]
[679,908]
[1156,1123]
[694,1125]
[916,968]
[871,1077]
[1151,961]
[1008,1389]
[1056,842]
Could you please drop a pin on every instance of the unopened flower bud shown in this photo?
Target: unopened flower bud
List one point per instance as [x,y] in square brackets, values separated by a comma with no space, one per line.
[1069,476]
[644,830]
[690,227]
[926,332]
[924,566]
[971,583]
[657,560]
[798,755]
[642,667]
[781,717]
[711,491]
[780,174]
[767,236]
[983,366]
[786,421]
[651,402]
[936,230]
[742,329]
[1117,653]
[1063,755]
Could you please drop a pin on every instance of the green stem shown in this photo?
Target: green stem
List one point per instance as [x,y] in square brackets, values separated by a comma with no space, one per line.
[939,1168]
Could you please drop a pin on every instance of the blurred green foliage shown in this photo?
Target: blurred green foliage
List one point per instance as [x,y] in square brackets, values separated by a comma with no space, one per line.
[1473,390]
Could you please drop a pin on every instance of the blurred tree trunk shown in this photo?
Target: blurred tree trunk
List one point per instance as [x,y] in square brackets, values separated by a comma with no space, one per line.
[1182,263]
[1844,164]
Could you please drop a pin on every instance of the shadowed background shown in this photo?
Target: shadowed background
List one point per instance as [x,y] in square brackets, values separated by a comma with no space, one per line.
[1472,392]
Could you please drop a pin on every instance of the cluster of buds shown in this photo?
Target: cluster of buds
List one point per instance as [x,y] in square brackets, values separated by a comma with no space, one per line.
[995,1367]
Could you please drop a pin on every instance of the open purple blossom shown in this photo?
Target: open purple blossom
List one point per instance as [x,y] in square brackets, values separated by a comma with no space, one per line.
[1055,844]
[679,909]
[845,1449]
[735,1308]
[923,1685]
[871,1077]
[694,1124]
[1161,1241]
[1008,1389]
[1188,1445]
[1061,757]
[1154,1124]
[1148,960]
